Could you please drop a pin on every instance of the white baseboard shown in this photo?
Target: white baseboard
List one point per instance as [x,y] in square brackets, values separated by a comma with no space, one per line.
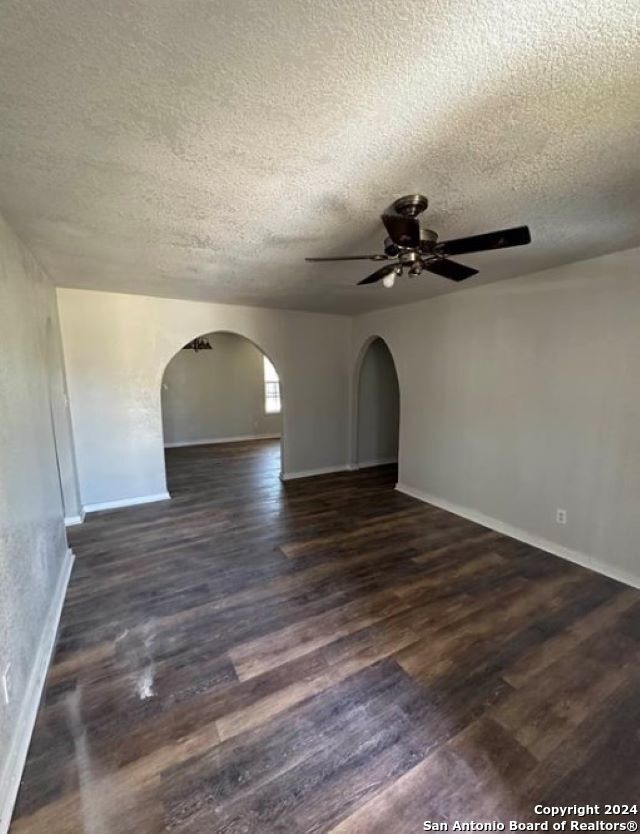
[23,726]
[126,502]
[327,470]
[365,464]
[213,440]
[575,556]
[72,520]
[309,473]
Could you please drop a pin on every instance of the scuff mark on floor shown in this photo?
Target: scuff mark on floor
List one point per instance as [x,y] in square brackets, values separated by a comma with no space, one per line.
[134,652]
[144,684]
[94,799]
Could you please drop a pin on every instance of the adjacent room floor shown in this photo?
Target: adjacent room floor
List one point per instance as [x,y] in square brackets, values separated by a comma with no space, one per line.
[324,655]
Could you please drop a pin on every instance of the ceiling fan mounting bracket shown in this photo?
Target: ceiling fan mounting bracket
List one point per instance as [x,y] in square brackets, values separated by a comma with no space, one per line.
[411,205]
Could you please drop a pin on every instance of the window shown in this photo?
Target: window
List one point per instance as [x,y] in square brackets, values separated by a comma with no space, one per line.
[271,388]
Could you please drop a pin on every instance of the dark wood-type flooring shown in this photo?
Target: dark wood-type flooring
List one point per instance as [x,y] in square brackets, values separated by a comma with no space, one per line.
[324,655]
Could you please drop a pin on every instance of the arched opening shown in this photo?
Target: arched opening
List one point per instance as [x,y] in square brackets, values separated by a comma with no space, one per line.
[221,403]
[377,406]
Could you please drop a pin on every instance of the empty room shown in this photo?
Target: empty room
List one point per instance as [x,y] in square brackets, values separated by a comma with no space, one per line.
[319,416]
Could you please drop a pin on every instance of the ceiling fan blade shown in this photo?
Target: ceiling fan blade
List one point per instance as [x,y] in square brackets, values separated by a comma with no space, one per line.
[379,274]
[403,231]
[352,258]
[450,269]
[518,236]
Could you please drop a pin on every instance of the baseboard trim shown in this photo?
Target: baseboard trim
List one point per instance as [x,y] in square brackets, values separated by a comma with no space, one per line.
[126,502]
[310,473]
[72,520]
[366,464]
[23,726]
[575,556]
[214,440]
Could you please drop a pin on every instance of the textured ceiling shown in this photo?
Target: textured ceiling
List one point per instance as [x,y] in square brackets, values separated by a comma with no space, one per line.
[201,148]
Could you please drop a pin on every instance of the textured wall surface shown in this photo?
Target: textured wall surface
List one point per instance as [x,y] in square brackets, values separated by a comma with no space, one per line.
[523,397]
[202,149]
[32,536]
[215,394]
[116,350]
[378,406]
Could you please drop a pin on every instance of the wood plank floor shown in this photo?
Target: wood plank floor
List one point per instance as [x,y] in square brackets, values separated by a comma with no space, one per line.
[324,655]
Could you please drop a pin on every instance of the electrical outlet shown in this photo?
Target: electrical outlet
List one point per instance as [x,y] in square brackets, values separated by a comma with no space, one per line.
[561,516]
[5,685]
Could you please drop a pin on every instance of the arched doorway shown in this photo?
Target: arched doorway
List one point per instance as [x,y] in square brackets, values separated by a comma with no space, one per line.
[221,402]
[377,402]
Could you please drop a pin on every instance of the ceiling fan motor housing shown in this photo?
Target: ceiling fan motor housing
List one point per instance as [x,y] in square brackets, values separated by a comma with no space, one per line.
[428,239]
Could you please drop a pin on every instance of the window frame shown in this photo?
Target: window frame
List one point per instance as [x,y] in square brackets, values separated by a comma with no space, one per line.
[272,399]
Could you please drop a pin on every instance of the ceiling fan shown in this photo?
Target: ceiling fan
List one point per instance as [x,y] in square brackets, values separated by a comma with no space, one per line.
[416,249]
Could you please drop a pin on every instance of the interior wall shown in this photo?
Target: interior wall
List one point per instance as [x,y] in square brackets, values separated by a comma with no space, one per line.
[32,535]
[117,347]
[216,394]
[522,397]
[378,401]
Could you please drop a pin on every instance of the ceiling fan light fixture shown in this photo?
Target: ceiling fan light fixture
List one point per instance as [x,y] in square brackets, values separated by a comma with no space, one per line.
[201,343]
[389,280]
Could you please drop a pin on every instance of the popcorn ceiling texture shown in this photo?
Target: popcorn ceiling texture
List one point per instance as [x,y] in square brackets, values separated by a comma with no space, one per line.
[202,149]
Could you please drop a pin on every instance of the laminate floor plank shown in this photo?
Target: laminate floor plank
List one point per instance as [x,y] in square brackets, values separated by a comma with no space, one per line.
[319,655]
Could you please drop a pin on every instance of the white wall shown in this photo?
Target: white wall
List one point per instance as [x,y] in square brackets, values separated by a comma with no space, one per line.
[523,396]
[216,394]
[117,347]
[518,398]
[33,549]
[378,412]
